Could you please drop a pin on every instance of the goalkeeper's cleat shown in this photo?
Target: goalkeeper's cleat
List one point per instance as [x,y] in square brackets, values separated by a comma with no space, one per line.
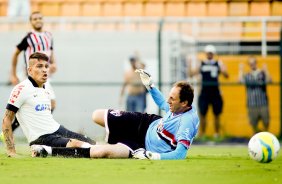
[2,137]
[38,151]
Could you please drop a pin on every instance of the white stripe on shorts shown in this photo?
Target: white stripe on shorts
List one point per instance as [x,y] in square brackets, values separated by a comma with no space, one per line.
[106,125]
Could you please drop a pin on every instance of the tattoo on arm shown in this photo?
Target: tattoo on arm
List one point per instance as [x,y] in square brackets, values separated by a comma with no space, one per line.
[7,131]
[9,142]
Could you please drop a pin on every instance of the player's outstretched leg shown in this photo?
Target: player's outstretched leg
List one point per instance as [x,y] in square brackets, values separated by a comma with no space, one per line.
[73,135]
[43,151]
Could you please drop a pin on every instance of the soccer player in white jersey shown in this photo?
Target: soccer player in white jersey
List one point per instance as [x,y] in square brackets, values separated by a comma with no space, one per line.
[146,136]
[30,103]
[37,40]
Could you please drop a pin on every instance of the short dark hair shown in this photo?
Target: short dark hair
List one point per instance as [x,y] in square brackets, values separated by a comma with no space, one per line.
[186,92]
[33,13]
[39,56]
[132,59]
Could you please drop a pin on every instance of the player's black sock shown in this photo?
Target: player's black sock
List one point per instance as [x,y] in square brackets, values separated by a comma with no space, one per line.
[15,124]
[71,152]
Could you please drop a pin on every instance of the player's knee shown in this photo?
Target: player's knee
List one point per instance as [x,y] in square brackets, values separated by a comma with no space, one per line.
[99,151]
[109,151]
[98,116]
[73,143]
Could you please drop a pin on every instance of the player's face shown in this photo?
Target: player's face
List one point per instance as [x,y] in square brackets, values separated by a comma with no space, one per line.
[36,21]
[39,71]
[253,64]
[175,105]
[209,55]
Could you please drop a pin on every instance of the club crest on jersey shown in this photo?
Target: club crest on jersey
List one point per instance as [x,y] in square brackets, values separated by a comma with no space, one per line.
[43,107]
[166,136]
[115,113]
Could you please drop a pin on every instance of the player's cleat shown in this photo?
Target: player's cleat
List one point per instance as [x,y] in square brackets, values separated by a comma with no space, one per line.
[2,137]
[38,151]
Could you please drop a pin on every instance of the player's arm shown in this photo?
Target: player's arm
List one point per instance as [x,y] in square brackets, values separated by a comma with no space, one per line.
[223,69]
[155,93]
[53,64]
[8,134]
[179,153]
[159,99]
[193,71]
[268,78]
[241,73]
[13,75]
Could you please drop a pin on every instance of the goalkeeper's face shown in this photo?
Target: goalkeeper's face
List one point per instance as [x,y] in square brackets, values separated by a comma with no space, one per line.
[175,106]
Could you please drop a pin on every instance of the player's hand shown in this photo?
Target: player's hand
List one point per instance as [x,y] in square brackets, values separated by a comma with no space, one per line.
[264,67]
[145,78]
[12,154]
[241,67]
[14,80]
[142,154]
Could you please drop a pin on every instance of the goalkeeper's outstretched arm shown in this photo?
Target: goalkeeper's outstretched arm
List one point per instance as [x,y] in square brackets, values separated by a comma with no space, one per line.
[155,93]
[179,153]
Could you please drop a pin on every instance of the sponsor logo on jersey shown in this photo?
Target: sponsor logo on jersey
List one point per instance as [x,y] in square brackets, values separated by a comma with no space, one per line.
[43,107]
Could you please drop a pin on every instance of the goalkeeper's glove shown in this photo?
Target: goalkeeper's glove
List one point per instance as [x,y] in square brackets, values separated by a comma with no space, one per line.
[145,78]
[142,154]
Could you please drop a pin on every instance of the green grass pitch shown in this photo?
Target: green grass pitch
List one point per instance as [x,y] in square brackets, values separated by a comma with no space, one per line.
[212,164]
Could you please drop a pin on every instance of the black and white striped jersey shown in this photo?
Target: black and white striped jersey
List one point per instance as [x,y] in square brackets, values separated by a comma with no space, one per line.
[36,42]
[256,88]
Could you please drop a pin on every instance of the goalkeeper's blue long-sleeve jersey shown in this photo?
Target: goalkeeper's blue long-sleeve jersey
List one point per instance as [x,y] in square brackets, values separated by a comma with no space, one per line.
[172,135]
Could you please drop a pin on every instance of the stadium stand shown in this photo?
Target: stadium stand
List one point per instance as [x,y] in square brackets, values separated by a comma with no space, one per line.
[153,7]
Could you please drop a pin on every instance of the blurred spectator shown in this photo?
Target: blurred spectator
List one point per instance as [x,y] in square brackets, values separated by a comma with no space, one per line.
[210,94]
[18,8]
[132,86]
[257,101]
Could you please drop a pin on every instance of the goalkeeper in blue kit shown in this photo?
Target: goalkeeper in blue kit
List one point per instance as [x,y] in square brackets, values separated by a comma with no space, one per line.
[141,135]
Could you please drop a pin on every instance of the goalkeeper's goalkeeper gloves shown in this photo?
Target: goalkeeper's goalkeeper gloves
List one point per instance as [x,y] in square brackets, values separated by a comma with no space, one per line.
[145,78]
[142,154]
